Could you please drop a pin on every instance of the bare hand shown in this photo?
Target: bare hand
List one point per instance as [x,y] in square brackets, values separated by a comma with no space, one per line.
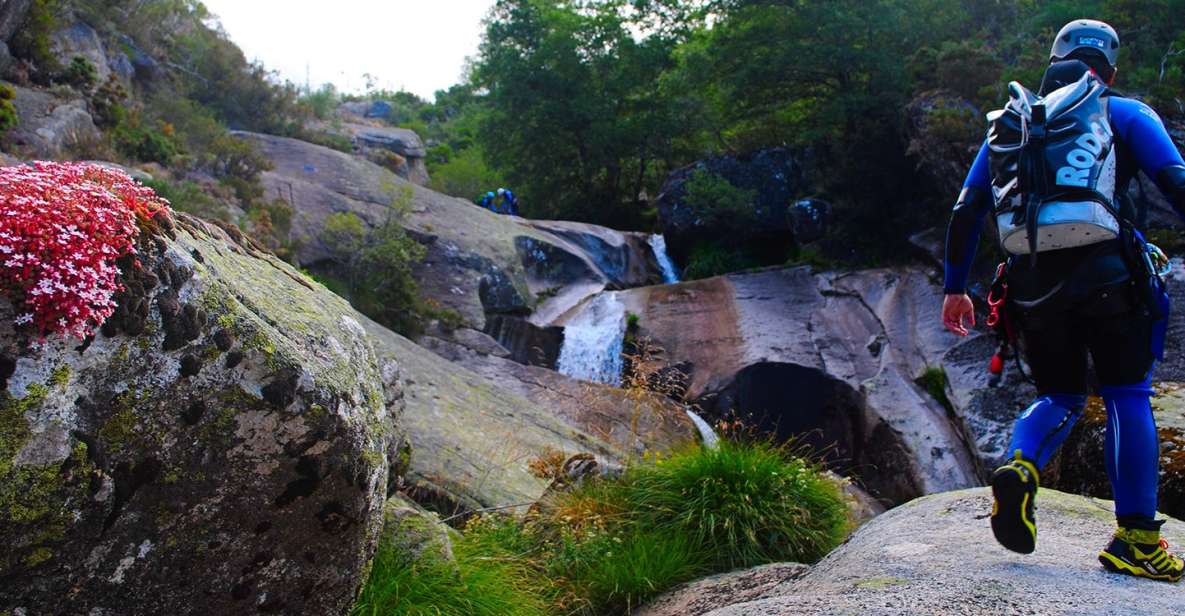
[958,313]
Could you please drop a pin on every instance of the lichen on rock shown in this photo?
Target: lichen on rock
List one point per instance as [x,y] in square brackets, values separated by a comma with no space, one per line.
[145,472]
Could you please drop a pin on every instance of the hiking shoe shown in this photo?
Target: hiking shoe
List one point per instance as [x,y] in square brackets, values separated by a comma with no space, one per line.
[1014,522]
[1141,553]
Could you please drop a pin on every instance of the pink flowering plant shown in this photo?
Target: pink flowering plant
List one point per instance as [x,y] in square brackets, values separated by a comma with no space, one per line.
[62,227]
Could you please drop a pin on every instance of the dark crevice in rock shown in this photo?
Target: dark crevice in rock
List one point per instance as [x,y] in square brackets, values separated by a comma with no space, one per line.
[334,518]
[281,392]
[191,365]
[233,359]
[7,368]
[823,418]
[309,469]
[528,343]
[193,414]
[129,479]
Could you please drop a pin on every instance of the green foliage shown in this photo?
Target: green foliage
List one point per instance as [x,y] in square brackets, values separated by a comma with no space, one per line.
[107,104]
[31,40]
[744,504]
[188,196]
[8,114]
[711,259]
[372,266]
[144,143]
[463,174]
[933,380]
[609,546]
[482,582]
[81,74]
[718,202]
[321,103]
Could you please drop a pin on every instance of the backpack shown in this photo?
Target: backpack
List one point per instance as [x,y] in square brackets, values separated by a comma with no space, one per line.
[1053,166]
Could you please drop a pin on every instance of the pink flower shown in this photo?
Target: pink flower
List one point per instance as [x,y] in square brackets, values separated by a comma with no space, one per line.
[62,225]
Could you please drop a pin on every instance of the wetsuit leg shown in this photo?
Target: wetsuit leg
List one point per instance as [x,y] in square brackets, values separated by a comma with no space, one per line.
[1120,348]
[1057,359]
[1044,426]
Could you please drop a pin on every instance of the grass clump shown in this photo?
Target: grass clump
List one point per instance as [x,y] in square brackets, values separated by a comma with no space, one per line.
[934,381]
[609,546]
[483,581]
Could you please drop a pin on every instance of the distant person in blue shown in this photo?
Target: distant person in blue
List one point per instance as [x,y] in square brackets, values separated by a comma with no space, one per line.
[487,201]
[1075,287]
[507,204]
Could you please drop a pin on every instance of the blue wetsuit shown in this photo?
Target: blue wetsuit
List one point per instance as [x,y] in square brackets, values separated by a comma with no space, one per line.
[1076,302]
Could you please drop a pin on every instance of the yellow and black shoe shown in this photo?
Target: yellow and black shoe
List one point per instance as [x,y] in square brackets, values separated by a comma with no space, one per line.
[1141,553]
[1014,522]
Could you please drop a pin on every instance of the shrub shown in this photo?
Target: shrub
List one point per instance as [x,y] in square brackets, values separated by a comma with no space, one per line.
[321,103]
[8,115]
[107,103]
[31,39]
[710,259]
[372,267]
[62,227]
[144,144]
[187,196]
[81,74]
[465,174]
[717,201]
[608,546]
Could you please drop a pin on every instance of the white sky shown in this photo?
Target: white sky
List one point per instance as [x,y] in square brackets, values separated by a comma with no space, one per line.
[415,45]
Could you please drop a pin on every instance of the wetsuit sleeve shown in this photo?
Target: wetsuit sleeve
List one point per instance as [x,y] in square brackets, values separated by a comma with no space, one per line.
[1138,126]
[966,224]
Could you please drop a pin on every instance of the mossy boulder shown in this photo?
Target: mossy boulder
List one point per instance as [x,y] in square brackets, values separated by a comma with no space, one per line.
[223,446]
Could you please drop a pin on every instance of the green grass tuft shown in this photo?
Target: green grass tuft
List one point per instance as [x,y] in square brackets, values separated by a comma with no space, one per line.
[610,546]
[482,582]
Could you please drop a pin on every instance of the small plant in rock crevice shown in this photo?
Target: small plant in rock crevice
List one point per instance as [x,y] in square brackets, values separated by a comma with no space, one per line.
[62,226]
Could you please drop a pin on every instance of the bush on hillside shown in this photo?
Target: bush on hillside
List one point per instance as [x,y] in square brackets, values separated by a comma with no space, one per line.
[372,267]
[8,115]
[31,42]
[145,143]
[463,174]
[108,104]
[81,74]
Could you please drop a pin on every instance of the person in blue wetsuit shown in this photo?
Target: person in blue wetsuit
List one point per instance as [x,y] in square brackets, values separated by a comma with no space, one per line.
[487,202]
[1075,303]
[506,204]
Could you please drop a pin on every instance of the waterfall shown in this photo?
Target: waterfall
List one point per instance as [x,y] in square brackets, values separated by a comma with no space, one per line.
[659,244]
[593,341]
[706,433]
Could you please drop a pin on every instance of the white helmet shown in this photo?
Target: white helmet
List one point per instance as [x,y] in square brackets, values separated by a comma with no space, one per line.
[501,192]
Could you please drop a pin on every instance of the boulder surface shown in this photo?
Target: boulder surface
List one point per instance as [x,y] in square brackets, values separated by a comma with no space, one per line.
[224,446]
[936,556]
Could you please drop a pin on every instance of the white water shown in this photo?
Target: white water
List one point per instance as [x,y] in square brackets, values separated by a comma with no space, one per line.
[659,244]
[706,433]
[593,341]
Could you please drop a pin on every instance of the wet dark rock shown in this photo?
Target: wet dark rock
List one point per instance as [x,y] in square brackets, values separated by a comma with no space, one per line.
[778,176]
[528,343]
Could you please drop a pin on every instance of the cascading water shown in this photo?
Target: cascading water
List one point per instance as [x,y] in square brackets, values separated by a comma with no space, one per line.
[593,341]
[706,434]
[658,243]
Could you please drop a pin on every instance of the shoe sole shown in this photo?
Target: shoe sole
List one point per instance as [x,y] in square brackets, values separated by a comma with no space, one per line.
[1010,522]
[1115,564]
